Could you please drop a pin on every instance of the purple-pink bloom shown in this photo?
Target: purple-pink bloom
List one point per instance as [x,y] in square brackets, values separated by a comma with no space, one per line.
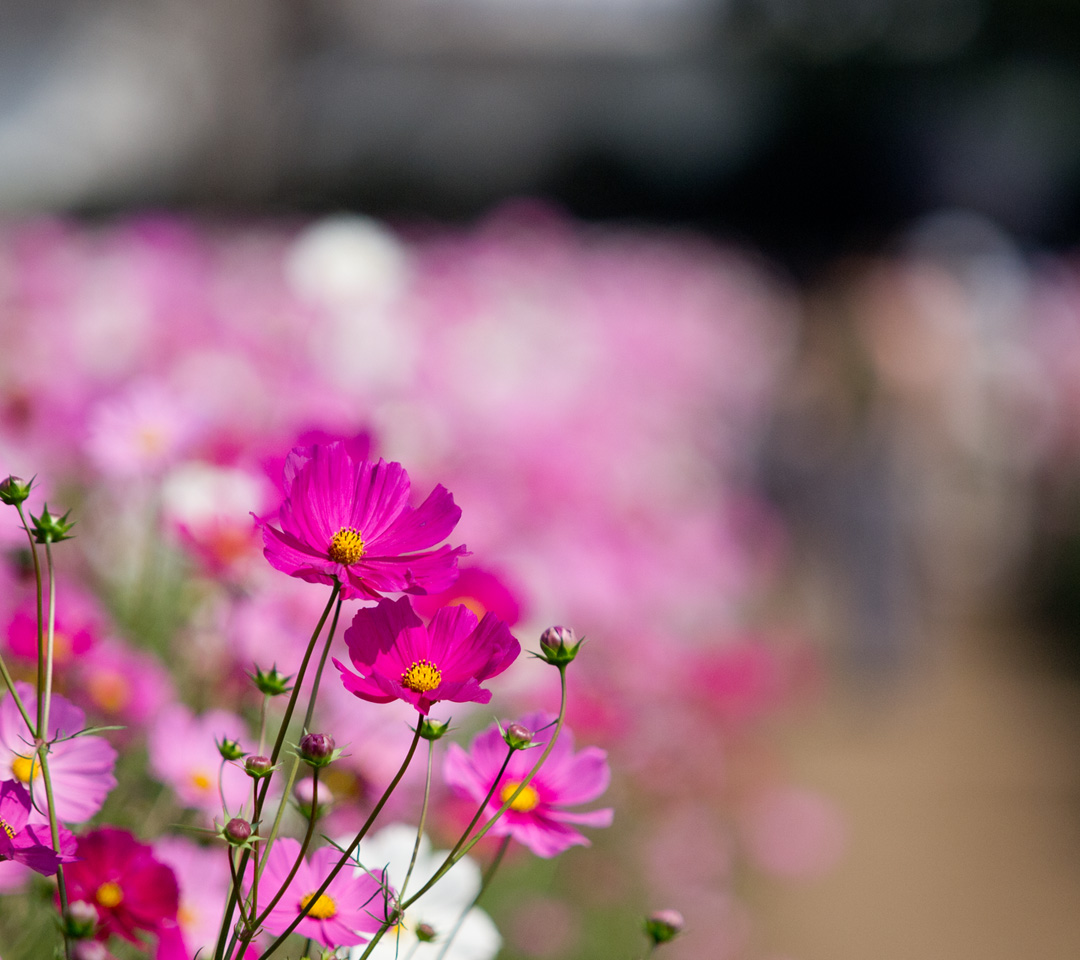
[537,818]
[349,521]
[398,658]
[27,843]
[81,768]
[184,754]
[352,907]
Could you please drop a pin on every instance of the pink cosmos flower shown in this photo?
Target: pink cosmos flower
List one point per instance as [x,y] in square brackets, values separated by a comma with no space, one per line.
[140,432]
[25,842]
[478,589]
[132,890]
[351,907]
[346,520]
[81,767]
[122,683]
[399,658]
[183,754]
[538,818]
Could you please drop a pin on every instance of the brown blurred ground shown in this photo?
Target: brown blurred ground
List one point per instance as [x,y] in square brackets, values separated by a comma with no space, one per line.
[962,788]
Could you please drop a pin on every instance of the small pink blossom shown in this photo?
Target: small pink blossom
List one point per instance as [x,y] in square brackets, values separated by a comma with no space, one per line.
[27,843]
[140,432]
[398,658]
[81,768]
[538,818]
[348,521]
[351,909]
[183,754]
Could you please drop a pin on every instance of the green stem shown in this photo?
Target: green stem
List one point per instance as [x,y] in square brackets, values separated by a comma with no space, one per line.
[36,731]
[345,857]
[54,832]
[484,883]
[43,728]
[10,684]
[226,920]
[253,928]
[423,820]
[319,670]
[280,810]
[454,856]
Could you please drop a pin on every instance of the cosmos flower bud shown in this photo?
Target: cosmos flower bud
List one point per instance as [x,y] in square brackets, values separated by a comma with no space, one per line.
[557,645]
[80,920]
[517,736]
[425,932]
[14,490]
[664,925]
[433,729]
[50,529]
[237,831]
[229,749]
[89,950]
[317,749]
[258,766]
[271,682]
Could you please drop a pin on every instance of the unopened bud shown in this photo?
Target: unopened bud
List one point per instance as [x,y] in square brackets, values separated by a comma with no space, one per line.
[80,920]
[664,925]
[317,748]
[229,749]
[425,932]
[14,490]
[50,529]
[557,645]
[433,729]
[271,682]
[258,766]
[517,736]
[237,831]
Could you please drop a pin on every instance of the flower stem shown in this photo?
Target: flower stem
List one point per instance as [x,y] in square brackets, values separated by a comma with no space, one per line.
[352,846]
[253,927]
[462,850]
[38,731]
[43,726]
[423,820]
[484,883]
[226,920]
[319,670]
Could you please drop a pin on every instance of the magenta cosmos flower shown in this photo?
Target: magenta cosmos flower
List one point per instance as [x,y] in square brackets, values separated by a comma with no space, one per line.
[25,842]
[81,768]
[348,521]
[131,889]
[538,818]
[351,908]
[398,658]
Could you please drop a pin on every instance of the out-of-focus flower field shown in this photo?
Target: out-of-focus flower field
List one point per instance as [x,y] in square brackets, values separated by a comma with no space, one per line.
[596,399]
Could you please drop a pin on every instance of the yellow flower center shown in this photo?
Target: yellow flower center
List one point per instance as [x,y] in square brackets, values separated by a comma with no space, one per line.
[109,895]
[524,801]
[201,779]
[8,829]
[421,677]
[109,690]
[25,769]
[323,909]
[346,546]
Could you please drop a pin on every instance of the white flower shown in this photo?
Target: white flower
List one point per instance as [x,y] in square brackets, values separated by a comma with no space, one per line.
[440,908]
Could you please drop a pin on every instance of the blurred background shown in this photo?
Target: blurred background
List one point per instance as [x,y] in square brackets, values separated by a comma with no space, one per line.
[800,274]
